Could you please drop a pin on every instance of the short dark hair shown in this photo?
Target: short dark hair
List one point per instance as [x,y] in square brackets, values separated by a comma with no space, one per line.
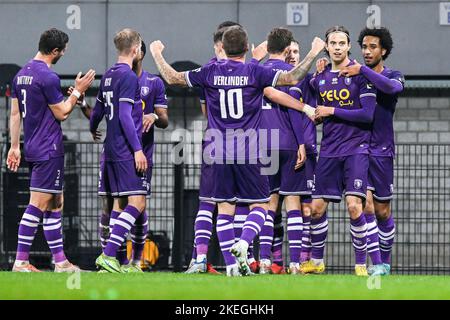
[125,39]
[52,39]
[279,39]
[143,48]
[235,41]
[217,36]
[383,34]
[228,23]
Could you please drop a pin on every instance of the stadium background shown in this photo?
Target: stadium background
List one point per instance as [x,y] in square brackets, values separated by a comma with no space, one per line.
[422,121]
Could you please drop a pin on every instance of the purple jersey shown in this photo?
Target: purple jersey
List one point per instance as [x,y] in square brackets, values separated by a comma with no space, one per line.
[152,96]
[305,93]
[382,140]
[120,84]
[202,93]
[36,87]
[342,137]
[234,93]
[278,117]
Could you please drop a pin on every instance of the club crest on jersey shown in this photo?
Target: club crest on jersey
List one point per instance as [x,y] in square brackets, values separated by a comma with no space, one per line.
[357,184]
[145,91]
[321,82]
[348,81]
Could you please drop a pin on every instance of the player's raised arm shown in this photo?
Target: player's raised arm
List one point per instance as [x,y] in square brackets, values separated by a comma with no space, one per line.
[260,52]
[286,100]
[381,82]
[85,108]
[169,74]
[13,160]
[62,110]
[301,70]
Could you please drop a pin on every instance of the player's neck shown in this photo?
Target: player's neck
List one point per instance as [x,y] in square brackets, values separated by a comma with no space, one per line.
[275,56]
[379,67]
[45,58]
[126,59]
[339,65]
[238,59]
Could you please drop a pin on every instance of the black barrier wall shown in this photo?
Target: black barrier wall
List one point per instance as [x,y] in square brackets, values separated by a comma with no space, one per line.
[421,208]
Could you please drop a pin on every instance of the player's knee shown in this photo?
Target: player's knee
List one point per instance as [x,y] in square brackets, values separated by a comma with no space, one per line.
[383,212]
[306,210]
[316,212]
[107,204]
[369,206]
[354,209]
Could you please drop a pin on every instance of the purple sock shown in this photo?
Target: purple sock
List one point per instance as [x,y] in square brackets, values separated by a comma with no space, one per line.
[103,228]
[240,215]
[225,234]
[294,229]
[278,235]
[253,224]
[387,233]
[53,235]
[138,236]
[27,230]
[121,254]
[203,227]
[120,230]
[305,255]
[319,232]
[373,247]
[358,230]
[266,237]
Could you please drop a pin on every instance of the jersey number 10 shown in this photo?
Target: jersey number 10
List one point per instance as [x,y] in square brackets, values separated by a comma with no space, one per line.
[231,103]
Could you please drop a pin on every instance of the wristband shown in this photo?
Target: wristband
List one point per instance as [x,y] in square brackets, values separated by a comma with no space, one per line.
[308,110]
[76,93]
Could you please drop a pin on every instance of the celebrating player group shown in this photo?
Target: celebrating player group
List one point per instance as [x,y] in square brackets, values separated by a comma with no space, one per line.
[259,148]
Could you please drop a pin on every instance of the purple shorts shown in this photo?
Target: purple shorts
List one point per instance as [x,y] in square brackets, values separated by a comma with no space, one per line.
[335,176]
[47,176]
[381,177]
[120,178]
[310,167]
[237,182]
[288,181]
[206,180]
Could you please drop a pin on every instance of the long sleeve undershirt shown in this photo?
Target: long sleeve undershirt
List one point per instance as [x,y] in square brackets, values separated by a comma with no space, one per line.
[381,82]
[127,123]
[364,115]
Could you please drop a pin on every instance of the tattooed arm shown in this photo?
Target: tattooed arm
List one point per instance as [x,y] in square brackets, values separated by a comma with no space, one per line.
[301,70]
[169,74]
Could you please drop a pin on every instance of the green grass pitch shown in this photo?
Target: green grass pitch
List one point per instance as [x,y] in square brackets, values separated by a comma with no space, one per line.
[178,286]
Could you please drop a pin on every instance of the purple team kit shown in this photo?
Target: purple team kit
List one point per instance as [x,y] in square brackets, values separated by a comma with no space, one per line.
[118,84]
[36,86]
[287,180]
[228,87]
[343,161]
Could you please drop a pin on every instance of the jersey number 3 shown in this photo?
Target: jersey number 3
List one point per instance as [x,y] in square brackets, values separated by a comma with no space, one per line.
[231,103]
